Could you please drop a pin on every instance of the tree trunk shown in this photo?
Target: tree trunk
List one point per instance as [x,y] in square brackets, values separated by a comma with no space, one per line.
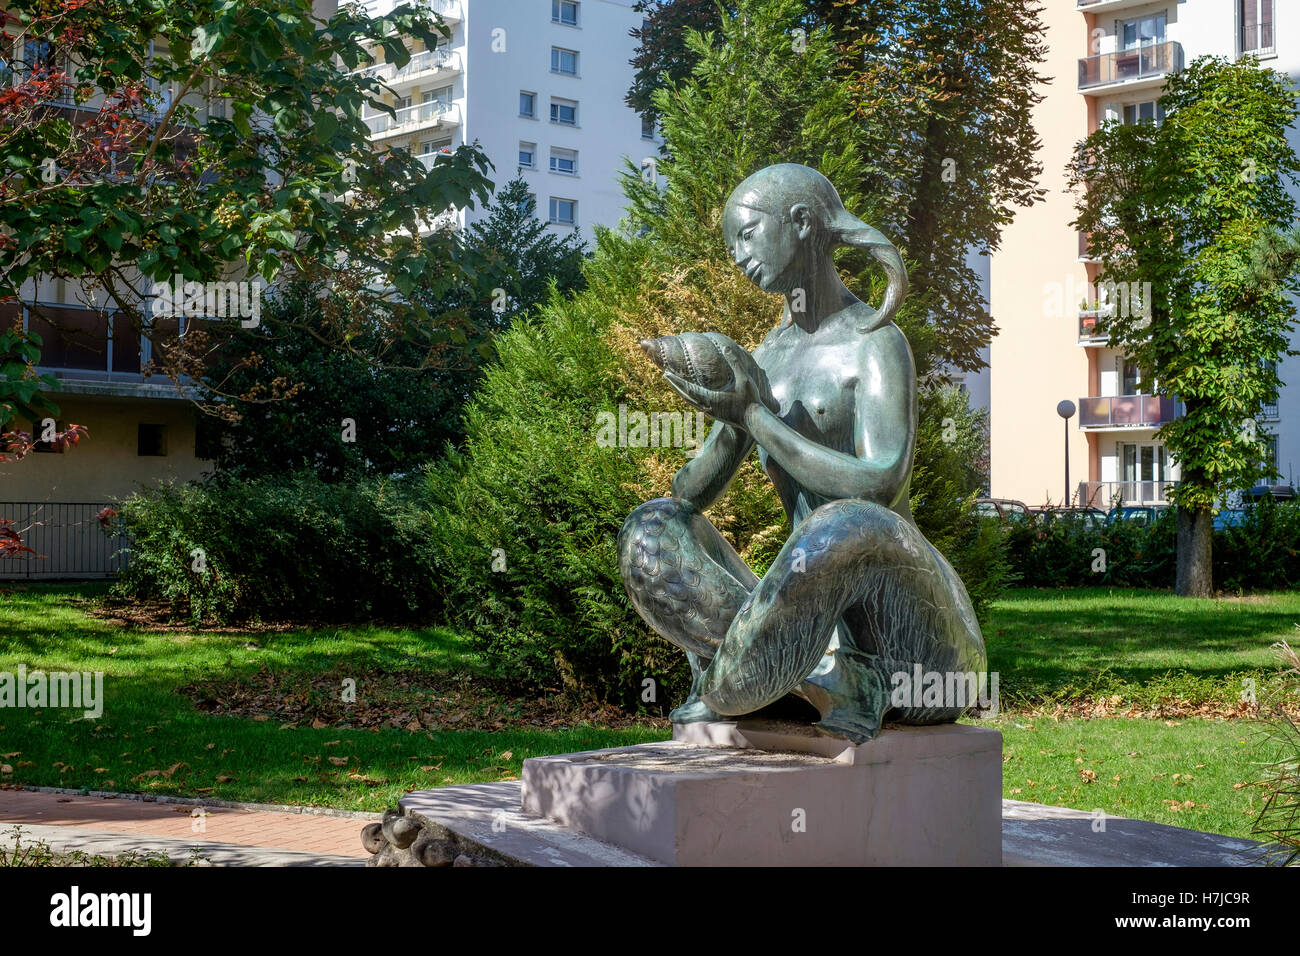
[1195,576]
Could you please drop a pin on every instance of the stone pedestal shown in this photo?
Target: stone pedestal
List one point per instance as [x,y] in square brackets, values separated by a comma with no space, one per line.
[763,794]
[752,793]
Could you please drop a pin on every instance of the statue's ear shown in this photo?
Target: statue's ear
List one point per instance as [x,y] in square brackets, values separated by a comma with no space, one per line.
[802,218]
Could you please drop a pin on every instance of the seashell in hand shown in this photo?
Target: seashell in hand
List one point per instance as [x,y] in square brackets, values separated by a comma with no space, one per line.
[695,356]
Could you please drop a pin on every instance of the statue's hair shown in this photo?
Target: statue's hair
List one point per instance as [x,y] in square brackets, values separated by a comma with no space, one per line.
[779,188]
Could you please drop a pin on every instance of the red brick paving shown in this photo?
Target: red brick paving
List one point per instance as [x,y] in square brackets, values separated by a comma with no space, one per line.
[283,830]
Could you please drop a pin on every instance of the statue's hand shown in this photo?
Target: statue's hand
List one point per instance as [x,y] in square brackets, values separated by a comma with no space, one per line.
[749,387]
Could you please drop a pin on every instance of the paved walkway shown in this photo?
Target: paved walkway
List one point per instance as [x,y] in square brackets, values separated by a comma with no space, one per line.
[247,835]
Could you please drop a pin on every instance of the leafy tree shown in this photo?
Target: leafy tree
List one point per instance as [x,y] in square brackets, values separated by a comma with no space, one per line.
[521,256]
[662,56]
[1197,206]
[943,94]
[259,158]
[289,389]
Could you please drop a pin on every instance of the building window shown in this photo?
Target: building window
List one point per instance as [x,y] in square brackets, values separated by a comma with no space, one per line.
[564,61]
[564,11]
[564,112]
[1270,452]
[429,147]
[528,155]
[647,127]
[45,447]
[1142,31]
[527,105]
[528,205]
[1255,23]
[151,441]
[564,212]
[1148,112]
[564,161]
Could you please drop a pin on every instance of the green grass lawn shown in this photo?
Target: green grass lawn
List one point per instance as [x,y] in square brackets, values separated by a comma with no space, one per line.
[1051,650]
[152,739]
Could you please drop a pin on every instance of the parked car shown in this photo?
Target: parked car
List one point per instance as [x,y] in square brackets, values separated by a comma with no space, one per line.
[1276,492]
[1094,518]
[1004,509]
[1229,518]
[1141,514]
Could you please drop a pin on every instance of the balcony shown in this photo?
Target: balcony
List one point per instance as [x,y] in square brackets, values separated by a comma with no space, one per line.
[1106,494]
[1142,66]
[1115,412]
[1092,327]
[411,119]
[421,66]
[449,10]
[1106,6]
[93,352]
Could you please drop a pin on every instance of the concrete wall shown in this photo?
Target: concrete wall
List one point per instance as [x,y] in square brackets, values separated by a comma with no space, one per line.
[1036,360]
[105,465]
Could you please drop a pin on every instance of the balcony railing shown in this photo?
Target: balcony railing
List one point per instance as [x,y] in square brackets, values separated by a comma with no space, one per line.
[425,62]
[1088,5]
[410,117]
[1127,411]
[1092,325]
[1106,494]
[1126,66]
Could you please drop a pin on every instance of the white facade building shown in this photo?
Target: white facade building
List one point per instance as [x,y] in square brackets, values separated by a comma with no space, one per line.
[539,85]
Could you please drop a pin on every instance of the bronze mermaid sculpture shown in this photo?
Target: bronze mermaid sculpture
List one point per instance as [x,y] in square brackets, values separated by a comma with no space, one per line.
[857,595]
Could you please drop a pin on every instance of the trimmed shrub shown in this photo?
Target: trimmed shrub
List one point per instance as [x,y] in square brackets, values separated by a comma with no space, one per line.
[1261,553]
[291,548]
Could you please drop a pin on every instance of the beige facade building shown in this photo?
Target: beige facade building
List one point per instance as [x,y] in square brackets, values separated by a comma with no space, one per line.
[1108,60]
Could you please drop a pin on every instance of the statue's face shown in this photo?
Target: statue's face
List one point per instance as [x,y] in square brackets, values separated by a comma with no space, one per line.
[763,246]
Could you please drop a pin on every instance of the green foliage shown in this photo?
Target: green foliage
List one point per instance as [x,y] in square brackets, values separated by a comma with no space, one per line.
[1057,550]
[951,442]
[548,606]
[179,186]
[281,548]
[1259,554]
[1197,206]
[287,389]
[21,389]
[939,96]
[403,411]
[532,481]
[1279,817]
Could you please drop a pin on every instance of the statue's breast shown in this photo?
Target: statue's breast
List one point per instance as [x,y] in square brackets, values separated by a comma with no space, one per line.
[817,394]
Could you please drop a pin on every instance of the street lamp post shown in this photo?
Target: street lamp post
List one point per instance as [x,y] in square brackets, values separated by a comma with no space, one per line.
[1066,409]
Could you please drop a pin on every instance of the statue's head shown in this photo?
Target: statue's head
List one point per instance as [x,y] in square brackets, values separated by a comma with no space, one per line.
[779,221]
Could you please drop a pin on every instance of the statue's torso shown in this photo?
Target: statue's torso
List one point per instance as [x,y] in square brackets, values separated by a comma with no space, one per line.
[817,379]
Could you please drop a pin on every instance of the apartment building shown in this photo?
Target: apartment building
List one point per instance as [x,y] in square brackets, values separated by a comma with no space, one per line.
[539,86]
[1109,60]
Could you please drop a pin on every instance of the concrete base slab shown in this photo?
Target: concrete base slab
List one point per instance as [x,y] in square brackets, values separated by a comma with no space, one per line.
[779,795]
[1038,835]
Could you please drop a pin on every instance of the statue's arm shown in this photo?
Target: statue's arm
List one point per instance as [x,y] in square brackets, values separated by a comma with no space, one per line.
[704,478]
[884,427]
